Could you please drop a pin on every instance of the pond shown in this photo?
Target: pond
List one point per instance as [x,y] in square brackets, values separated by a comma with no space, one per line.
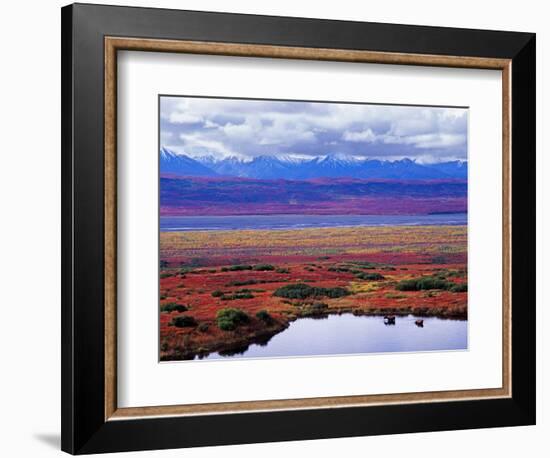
[349,334]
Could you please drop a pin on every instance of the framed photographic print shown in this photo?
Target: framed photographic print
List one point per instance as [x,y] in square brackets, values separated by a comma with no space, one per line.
[281,228]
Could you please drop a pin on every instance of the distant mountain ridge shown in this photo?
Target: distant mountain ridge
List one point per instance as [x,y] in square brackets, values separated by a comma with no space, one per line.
[179,164]
[291,168]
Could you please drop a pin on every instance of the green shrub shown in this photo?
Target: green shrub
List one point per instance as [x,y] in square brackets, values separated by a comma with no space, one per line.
[173,307]
[184,322]
[333,293]
[369,276]
[424,283]
[264,316]
[338,269]
[364,264]
[461,273]
[459,288]
[282,270]
[297,291]
[238,295]
[243,282]
[217,293]
[262,267]
[236,268]
[407,285]
[303,291]
[228,319]
[432,283]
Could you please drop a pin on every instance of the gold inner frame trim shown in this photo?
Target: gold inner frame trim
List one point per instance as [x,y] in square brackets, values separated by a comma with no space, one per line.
[114,44]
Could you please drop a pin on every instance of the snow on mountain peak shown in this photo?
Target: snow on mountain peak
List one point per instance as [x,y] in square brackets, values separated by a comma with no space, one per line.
[165,153]
[299,167]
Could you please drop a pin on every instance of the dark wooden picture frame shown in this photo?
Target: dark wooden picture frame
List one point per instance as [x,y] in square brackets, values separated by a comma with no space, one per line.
[91,37]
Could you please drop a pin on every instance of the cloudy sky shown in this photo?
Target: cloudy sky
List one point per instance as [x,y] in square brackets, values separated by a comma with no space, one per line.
[248,128]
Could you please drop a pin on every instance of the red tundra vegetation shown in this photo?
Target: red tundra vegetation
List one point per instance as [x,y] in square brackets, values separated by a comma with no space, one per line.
[220,291]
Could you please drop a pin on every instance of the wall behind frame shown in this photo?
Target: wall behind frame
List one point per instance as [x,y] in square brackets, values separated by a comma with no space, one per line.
[30,233]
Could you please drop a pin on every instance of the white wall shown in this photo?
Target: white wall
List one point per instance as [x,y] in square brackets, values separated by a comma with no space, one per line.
[30,228]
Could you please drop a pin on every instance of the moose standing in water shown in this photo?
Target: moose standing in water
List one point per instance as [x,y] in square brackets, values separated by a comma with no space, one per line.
[389,319]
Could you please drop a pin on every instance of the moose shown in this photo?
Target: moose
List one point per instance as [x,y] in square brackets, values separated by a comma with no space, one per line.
[419,323]
[389,319]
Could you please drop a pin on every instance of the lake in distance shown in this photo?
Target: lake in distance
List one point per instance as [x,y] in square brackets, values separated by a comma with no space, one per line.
[274,222]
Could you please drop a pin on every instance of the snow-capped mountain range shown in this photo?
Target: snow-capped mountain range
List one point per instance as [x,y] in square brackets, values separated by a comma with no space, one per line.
[306,167]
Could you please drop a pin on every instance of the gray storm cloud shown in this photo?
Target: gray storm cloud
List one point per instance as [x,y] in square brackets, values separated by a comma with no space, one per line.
[249,128]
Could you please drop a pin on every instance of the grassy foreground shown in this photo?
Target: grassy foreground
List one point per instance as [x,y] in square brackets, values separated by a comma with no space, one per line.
[223,290]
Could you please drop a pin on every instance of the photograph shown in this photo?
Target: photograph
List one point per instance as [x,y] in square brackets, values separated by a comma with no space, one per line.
[296,228]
